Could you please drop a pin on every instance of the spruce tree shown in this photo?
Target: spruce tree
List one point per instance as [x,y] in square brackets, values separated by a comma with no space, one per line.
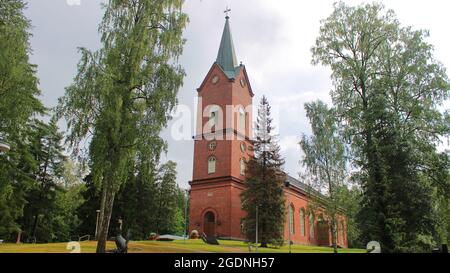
[264,182]
[167,198]
[47,152]
[19,103]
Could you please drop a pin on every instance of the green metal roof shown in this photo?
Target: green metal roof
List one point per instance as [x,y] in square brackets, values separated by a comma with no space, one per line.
[226,58]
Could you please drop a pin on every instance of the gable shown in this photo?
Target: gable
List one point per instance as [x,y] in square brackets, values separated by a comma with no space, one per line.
[227,75]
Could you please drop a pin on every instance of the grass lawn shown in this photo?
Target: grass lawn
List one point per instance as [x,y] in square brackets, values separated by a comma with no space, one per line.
[180,246]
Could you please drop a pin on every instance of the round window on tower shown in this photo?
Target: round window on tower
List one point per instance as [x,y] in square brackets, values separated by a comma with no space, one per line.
[212,145]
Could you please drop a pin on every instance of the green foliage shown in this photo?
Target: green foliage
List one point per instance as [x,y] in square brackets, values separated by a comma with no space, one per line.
[18,81]
[264,182]
[124,93]
[43,198]
[151,204]
[324,159]
[167,198]
[387,89]
[442,210]
[18,104]
[43,192]
[178,223]
[65,220]
[350,199]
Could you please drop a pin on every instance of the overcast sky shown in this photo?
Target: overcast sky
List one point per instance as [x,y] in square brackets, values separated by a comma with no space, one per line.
[272,38]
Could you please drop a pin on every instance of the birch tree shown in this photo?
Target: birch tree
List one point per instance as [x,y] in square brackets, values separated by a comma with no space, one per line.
[123,94]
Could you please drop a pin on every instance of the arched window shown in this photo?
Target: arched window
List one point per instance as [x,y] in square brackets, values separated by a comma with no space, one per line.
[213,119]
[241,122]
[311,225]
[211,165]
[343,232]
[338,231]
[242,166]
[215,113]
[302,222]
[291,219]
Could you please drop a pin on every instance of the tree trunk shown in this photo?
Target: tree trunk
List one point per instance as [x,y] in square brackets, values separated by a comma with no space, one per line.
[102,212]
[333,212]
[262,233]
[19,237]
[36,216]
[334,234]
[105,216]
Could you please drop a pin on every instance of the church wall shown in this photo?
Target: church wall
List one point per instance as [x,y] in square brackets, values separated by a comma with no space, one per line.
[201,155]
[236,211]
[216,94]
[300,201]
[210,197]
[241,96]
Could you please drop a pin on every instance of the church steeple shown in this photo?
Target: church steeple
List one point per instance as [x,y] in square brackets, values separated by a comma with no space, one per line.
[226,58]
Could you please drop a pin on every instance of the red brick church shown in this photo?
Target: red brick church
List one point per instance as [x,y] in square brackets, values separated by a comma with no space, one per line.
[223,145]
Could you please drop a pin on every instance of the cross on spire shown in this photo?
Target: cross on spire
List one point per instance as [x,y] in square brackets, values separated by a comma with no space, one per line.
[226,11]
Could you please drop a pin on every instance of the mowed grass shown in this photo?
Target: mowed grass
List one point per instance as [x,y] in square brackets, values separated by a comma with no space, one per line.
[180,246]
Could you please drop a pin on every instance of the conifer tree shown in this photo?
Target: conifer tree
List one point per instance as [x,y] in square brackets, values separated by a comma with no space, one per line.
[19,103]
[47,151]
[264,182]
[167,198]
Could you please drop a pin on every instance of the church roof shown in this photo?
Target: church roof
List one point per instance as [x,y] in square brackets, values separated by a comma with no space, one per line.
[296,183]
[308,190]
[226,57]
[303,187]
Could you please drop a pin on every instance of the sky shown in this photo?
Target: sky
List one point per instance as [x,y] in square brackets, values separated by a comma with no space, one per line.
[272,38]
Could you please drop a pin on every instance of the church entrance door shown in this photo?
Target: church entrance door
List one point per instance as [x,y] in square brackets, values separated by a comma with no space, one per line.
[209,224]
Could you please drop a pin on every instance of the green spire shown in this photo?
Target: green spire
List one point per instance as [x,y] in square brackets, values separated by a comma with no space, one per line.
[226,58]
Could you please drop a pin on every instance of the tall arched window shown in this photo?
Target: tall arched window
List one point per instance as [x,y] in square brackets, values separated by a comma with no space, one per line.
[215,113]
[302,222]
[211,165]
[213,118]
[291,219]
[241,121]
[338,231]
[343,232]
[311,225]
[242,166]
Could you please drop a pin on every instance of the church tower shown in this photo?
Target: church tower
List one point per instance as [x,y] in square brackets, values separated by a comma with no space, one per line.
[222,145]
